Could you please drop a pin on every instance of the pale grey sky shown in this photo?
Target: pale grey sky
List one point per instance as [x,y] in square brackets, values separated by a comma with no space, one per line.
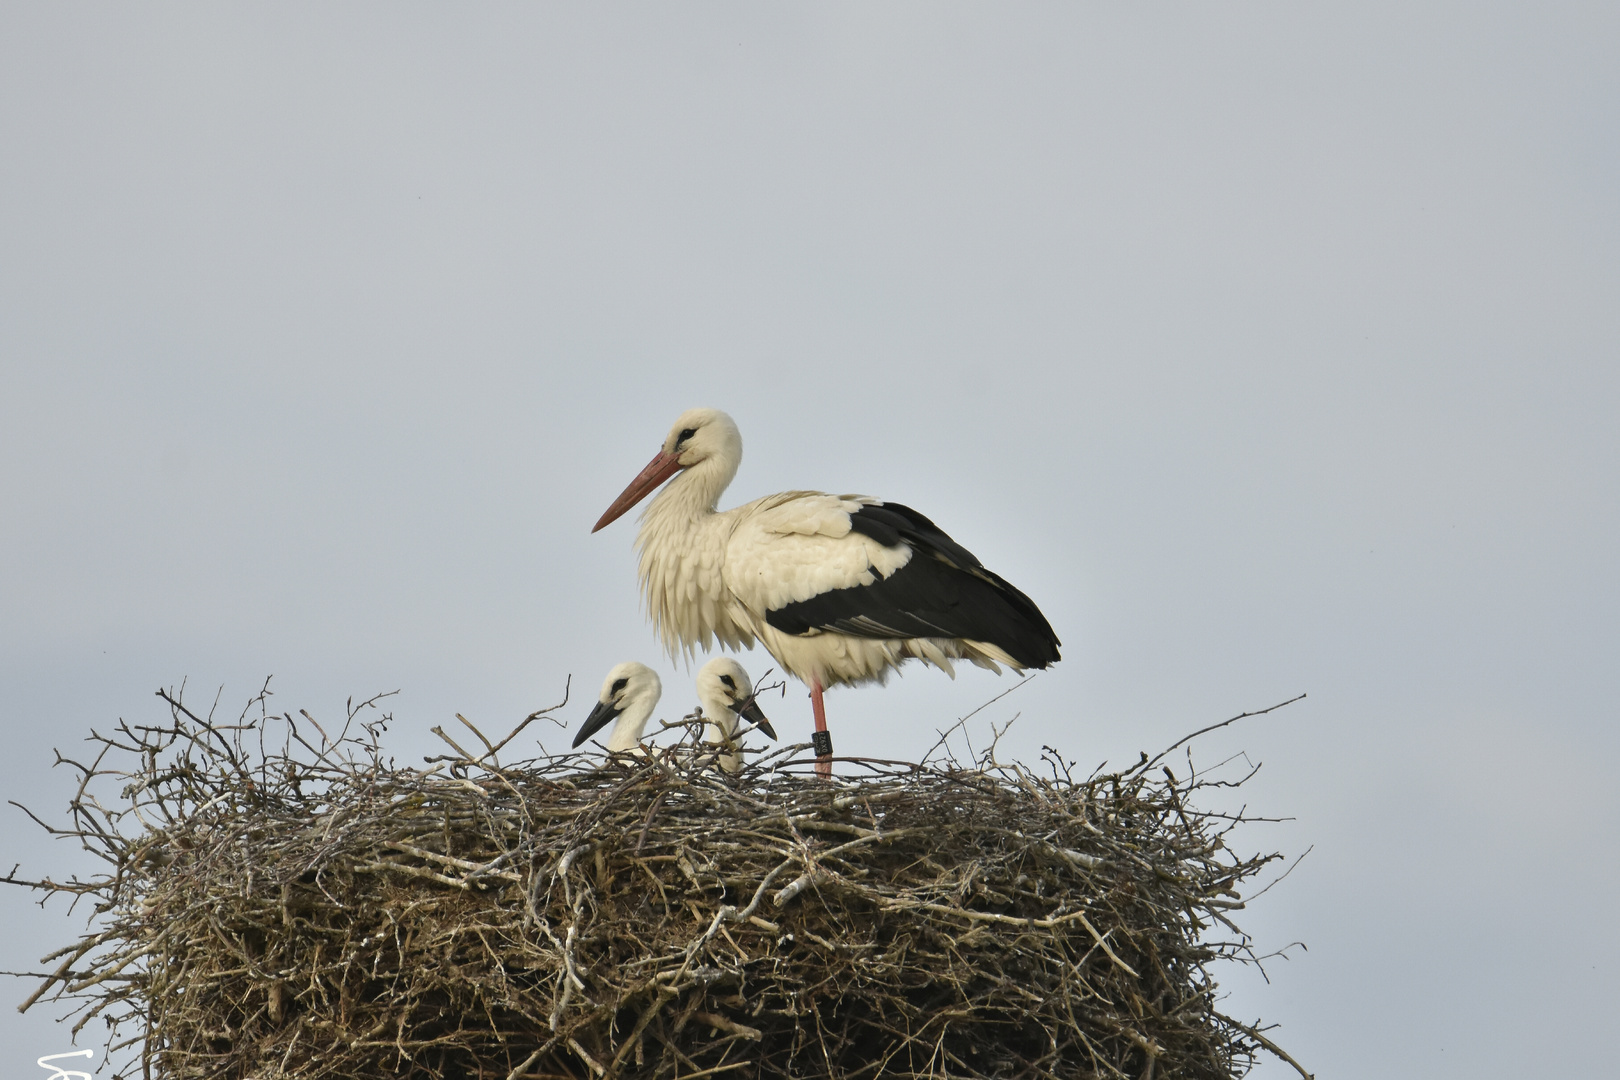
[1268,348]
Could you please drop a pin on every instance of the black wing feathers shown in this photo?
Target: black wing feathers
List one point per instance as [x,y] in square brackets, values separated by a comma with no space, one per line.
[942,592]
[890,523]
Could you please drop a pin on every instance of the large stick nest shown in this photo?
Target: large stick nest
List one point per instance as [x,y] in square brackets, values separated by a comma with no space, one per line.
[283,904]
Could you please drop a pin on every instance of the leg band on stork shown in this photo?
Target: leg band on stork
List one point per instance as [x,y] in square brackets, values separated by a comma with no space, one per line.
[822,739]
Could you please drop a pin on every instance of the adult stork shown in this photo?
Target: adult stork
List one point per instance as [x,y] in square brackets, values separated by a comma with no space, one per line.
[727,696]
[629,694]
[840,589]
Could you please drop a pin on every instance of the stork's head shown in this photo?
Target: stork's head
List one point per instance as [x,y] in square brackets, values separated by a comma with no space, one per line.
[705,438]
[726,694]
[631,690]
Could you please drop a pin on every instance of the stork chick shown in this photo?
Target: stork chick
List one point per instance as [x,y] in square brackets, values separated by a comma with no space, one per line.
[629,694]
[727,695]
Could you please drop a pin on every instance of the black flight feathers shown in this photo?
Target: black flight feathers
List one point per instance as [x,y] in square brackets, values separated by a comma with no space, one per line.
[942,592]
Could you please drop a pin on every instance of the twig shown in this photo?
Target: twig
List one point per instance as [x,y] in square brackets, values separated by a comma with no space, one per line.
[532,717]
[1254,1033]
[1202,731]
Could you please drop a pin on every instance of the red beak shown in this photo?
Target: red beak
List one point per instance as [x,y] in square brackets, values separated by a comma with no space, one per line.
[659,469]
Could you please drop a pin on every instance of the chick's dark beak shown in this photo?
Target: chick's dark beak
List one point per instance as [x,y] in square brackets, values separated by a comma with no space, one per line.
[749,710]
[604,713]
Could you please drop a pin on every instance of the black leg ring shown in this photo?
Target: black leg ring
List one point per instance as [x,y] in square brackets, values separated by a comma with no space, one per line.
[822,741]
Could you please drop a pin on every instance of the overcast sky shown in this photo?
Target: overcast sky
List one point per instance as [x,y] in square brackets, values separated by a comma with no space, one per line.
[1269,348]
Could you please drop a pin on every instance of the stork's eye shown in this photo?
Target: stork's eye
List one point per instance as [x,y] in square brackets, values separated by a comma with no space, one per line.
[727,679]
[619,684]
[686,433]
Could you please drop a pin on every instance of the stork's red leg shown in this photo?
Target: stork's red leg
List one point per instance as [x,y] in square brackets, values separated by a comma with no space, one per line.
[823,760]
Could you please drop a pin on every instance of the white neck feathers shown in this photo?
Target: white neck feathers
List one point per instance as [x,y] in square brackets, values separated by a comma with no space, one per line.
[682,542]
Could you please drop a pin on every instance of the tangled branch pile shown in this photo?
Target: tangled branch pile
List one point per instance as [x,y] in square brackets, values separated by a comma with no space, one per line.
[304,908]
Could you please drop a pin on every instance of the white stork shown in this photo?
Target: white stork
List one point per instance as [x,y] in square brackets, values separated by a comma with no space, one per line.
[727,695]
[629,694]
[840,589]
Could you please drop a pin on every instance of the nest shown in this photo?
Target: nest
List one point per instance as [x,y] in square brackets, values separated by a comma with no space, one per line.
[283,904]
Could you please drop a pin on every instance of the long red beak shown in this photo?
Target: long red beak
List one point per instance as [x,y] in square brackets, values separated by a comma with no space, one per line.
[658,470]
